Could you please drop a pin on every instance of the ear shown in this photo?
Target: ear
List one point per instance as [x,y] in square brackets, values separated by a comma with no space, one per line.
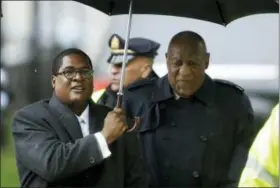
[53,81]
[207,60]
[145,70]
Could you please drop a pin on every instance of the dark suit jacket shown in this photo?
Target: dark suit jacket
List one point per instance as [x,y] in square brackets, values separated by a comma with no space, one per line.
[51,152]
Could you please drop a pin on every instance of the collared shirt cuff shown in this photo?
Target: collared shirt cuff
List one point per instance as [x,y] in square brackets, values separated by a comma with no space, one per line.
[103,145]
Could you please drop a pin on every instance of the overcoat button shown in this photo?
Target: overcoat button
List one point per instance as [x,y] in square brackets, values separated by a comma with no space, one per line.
[195,174]
[203,138]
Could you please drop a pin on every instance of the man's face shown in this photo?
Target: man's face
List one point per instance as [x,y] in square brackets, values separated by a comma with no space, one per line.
[133,72]
[186,64]
[78,88]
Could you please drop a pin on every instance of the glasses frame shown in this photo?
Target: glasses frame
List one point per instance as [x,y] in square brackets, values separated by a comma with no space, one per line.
[76,71]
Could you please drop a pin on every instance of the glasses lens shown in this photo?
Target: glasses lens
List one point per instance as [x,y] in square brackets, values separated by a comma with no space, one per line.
[85,73]
[69,74]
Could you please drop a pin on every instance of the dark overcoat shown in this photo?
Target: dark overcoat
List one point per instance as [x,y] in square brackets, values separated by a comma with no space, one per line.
[214,130]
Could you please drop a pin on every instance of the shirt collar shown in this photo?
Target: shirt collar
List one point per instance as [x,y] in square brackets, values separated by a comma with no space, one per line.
[204,93]
[85,115]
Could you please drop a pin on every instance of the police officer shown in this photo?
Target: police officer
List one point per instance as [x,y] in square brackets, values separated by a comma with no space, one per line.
[194,131]
[141,54]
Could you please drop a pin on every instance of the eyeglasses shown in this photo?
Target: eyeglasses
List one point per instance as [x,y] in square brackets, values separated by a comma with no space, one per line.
[70,74]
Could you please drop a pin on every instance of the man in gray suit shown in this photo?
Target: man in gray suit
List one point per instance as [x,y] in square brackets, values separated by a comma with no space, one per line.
[69,141]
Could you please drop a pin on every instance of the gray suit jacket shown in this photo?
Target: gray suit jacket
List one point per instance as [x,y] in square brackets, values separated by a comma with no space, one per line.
[51,152]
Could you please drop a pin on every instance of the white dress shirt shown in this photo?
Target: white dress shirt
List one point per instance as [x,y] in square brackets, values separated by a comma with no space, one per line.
[84,123]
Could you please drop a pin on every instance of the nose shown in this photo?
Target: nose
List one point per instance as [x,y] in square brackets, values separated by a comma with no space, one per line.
[78,76]
[185,70]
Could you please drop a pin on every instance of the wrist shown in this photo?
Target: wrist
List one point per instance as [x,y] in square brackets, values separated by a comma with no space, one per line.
[105,136]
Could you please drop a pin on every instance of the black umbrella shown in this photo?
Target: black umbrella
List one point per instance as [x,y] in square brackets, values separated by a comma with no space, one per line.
[217,11]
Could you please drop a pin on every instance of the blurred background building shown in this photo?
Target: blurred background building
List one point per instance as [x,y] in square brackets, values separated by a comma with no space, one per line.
[33,32]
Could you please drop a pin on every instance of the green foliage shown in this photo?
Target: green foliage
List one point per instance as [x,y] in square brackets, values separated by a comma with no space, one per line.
[9,176]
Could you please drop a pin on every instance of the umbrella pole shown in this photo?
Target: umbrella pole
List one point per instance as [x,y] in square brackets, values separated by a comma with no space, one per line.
[120,93]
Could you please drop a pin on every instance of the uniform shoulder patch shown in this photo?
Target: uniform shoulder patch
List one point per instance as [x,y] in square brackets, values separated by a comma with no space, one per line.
[228,83]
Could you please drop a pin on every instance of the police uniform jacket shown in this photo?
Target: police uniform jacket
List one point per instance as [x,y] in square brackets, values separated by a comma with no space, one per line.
[109,98]
[202,141]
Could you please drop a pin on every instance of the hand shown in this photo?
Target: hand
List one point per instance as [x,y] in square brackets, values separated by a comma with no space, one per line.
[114,125]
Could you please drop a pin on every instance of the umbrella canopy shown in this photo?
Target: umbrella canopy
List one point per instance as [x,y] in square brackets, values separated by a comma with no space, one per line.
[217,11]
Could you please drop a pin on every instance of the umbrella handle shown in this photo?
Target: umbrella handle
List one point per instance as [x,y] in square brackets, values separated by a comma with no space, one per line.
[119,101]
[136,124]
[136,119]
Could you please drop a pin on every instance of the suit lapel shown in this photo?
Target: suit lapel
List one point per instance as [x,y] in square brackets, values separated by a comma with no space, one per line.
[67,118]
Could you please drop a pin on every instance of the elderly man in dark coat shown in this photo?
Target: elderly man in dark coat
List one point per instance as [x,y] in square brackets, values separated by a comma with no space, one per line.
[195,131]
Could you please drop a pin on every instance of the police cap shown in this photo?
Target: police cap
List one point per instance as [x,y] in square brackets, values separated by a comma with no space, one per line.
[136,47]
